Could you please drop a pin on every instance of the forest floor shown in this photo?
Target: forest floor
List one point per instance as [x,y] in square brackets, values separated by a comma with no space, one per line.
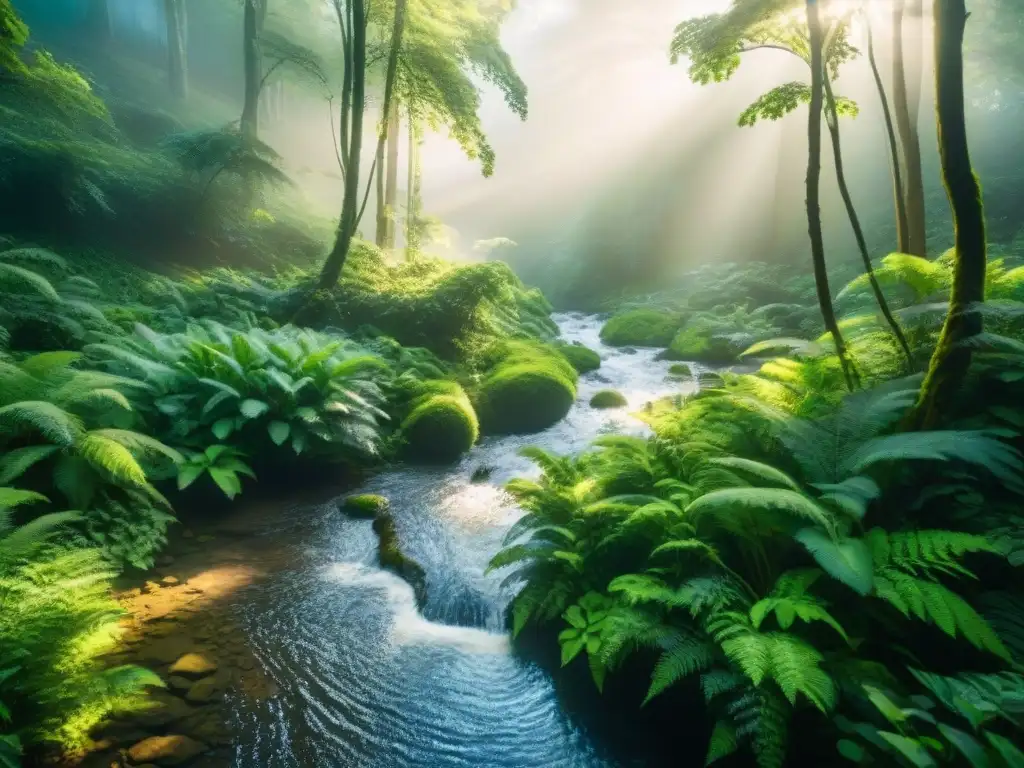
[180,623]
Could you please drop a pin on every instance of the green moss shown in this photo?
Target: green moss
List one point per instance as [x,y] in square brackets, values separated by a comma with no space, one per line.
[680,369]
[392,558]
[640,327]
[531,387]
[365,505]
[582,358]
[441,425]
[608,398]
[697,342]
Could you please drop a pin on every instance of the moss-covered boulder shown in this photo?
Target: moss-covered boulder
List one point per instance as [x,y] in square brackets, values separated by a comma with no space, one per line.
[582,358]
[531,387]
[364,505]
[392,558]
[679,369]
[701,344]
[608,398]
[441,425]
[641,328]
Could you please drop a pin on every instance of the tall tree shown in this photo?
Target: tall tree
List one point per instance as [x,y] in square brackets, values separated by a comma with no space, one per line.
[906,75]
[177,47]
[253,15]
[391,173]
[952,357]
[816,45]
[894,152]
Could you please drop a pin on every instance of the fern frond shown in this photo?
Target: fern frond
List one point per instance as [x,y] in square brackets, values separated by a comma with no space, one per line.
[52,422]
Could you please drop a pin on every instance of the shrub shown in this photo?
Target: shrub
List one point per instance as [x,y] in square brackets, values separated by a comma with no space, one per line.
[582,358]
[641,328]
[608,398]
[57,622]
[255,390]
[441,425]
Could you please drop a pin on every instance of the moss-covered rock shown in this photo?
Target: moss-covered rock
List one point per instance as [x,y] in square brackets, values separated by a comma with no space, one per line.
[582,358]
[641,328]
[608,398]
[392,558]
[679,369]
[364,505]
[441,425]
[699,343]
[529,387]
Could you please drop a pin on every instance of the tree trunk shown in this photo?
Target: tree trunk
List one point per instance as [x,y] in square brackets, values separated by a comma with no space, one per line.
[412,200]
[952,358]
[253,12]
[356,76]
[381,234]
[177,48]
[906,104]
[832,121]
[828,315]
[391,182]
[894,152]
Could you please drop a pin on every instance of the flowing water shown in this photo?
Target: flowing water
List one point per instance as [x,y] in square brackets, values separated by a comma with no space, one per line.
[364,680]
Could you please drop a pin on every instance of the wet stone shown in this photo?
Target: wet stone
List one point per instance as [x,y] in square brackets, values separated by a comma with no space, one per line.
[193,665]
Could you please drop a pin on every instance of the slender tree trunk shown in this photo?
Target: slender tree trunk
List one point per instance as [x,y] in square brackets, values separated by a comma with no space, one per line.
[832,122]
[391,182]
[906,103]
[177,48]
[828,315]
[252,14]
[894,152]
[412,200]
[952,358]
[350,205]
[345,15]
[381,234]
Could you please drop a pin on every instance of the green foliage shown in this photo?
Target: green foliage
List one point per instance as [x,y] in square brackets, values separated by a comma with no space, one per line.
[253,390]
[57,622]
[641,328]
[222,463]
[70,431]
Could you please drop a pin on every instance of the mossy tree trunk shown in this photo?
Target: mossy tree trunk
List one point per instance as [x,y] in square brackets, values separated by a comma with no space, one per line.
[412,203]
[906,104]
[952,357]
[828,315]
[832,120]
[890,132]
[253,13]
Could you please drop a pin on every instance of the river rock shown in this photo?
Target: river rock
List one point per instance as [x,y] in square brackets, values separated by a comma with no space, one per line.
[165,649]
[164,709]
[206,689]
[393,559]
[165,750]
[193,665]
[169,581]
[179,683]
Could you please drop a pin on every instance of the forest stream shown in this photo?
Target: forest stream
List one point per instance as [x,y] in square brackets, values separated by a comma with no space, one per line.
[362,677]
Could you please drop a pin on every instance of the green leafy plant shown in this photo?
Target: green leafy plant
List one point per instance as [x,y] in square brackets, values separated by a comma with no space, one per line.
[222,463]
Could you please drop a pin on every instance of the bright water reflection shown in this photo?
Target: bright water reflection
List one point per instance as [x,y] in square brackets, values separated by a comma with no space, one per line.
[365,680]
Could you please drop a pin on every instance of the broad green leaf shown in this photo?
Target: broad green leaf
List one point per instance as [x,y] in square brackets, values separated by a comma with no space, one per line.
[253,409]
[188,474]
[571,649]
[227,481]
[911,749]
[278,431]
[851,750]
[222,428]
[847,560]
[966,745]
